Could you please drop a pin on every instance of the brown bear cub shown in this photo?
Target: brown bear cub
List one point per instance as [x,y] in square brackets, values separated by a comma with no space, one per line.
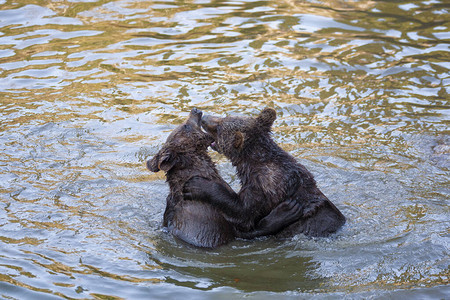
[183,157]
[268,176]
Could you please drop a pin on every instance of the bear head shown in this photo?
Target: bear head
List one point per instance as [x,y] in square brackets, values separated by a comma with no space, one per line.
[184,141]
[235,134]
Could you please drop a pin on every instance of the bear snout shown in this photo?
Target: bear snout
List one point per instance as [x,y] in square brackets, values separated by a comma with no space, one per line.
[209,123]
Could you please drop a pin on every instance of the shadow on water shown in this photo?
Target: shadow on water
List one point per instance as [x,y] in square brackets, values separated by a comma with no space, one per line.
[265,265]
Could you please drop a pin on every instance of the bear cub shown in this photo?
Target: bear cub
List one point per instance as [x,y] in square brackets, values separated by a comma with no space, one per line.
[198,221]
[268,174]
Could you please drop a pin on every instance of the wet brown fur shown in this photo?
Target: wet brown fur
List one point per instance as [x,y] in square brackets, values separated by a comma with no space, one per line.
[182,157]
[196,220]
[270,175]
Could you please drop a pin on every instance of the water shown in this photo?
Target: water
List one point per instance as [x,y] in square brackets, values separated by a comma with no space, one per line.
[90,89]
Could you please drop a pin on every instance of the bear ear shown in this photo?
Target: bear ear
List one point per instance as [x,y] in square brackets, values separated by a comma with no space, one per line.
[164,160]
[239,138]
[167,160]
[152,164]
[267,117]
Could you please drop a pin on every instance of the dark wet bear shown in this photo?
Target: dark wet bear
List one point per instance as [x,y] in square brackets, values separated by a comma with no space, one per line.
[268,175]
[184,157]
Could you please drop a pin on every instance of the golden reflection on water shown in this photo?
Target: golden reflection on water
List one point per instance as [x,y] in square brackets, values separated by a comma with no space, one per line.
[90,90]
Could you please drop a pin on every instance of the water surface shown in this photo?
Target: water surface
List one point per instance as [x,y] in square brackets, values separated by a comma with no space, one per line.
[89,90]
